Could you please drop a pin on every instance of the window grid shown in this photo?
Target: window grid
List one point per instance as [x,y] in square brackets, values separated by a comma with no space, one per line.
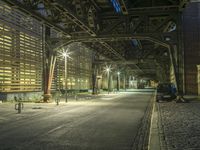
[20,51]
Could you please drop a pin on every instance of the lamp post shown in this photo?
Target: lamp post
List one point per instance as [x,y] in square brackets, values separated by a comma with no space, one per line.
[65,55]
[124,82]
[107,70]
[108,76]
[118,81]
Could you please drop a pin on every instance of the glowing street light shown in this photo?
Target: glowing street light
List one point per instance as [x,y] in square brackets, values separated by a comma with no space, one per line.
[108,69]
[66,54]
[118,81]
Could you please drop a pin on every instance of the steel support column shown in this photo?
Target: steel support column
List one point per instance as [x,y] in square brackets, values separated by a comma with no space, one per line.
[50,57]
[94,75]
[180,56]
[50,65]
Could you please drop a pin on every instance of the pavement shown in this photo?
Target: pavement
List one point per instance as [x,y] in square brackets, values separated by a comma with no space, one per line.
[108,122]
[175,126]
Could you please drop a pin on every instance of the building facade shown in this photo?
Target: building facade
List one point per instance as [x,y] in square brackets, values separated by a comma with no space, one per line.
[22,58]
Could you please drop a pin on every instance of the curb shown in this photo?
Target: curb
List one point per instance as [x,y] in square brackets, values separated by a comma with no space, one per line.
[154,140]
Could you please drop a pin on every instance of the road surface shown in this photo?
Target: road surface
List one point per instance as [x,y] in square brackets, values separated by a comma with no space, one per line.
[110,122]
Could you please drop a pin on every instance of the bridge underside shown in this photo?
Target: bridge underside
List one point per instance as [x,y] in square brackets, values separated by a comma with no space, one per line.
[143,40]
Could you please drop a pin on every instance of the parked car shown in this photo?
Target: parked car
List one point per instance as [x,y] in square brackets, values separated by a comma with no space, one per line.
[165,92]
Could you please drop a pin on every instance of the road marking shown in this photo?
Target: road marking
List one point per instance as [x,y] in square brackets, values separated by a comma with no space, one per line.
[2,118]
[106,98]
[55,129]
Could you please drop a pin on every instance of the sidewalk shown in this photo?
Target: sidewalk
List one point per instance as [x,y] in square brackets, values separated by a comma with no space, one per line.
[30,109]
[86,96]
[176,126]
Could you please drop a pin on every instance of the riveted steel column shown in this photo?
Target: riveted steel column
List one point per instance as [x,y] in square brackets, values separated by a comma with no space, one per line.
[50,61]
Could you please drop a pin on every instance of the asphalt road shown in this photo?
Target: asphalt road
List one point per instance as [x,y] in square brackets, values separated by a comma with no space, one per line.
[107,123]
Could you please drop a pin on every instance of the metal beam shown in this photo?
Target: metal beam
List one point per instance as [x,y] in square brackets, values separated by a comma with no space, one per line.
[183,4]
[110,28]
[60,6]
[165,22]
[128,62]
[150,11]
[153,37]
[123,7]
[18,5]
[72,17]
[174,2]
[66,11]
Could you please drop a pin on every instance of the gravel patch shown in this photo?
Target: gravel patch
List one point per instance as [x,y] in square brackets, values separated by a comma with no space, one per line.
[179,125]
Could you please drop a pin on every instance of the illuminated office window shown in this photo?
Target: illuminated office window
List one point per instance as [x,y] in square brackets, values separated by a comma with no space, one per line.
[20,51]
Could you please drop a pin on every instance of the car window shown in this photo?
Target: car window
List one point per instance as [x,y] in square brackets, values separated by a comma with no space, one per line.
[164,88]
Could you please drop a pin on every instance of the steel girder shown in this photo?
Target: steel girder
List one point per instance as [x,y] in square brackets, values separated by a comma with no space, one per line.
[60,6]
[135,12]
[158,38]
[71,18]
[31,11]
[66,12]
[146,22]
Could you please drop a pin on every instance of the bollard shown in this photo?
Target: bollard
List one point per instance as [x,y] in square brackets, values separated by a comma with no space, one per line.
[57,101]
[19,107]
[76,97]
[15,99]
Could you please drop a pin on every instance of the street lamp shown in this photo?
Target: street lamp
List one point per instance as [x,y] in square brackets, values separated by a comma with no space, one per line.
[108,74]
[108,70]
[118,80]
[66,54]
